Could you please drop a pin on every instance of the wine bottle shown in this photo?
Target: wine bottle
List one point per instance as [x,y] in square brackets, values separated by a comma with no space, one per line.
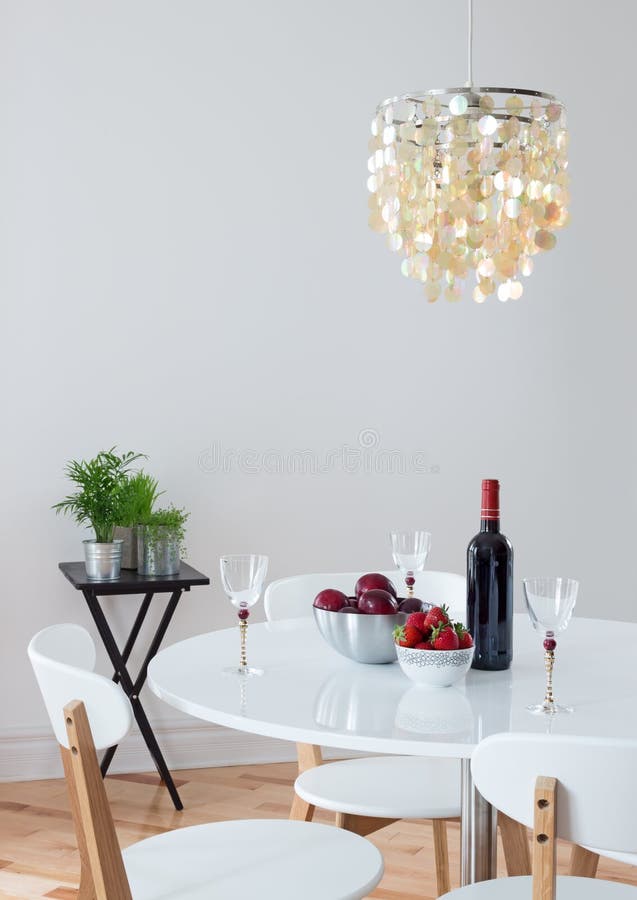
[490,586]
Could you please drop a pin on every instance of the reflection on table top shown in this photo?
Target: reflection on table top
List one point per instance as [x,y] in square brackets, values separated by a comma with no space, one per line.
[311,694]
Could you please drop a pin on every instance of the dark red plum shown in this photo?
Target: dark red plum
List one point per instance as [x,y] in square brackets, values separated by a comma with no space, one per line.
[374,581]
[377,603]
[410,605]
[331,600]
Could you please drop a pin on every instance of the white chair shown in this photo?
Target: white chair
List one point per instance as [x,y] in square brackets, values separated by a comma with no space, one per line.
[268,859]
[368,793]
[578,789]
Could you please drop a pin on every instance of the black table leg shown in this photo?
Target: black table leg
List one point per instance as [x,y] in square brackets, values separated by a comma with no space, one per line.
[132,689]
[155,644]
[130,643]
[137,624]
[107,759]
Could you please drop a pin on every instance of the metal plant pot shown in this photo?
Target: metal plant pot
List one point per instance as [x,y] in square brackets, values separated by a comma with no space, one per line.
[157,551]
[129,547]
[103,561]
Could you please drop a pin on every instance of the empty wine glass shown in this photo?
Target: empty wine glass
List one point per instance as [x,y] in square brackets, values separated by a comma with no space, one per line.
[242,577]
[550,602]
[410,550]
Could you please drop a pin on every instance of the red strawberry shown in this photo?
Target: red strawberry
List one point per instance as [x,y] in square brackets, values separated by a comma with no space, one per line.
[464,638]
[437,615]
[407,635]
[419,621]
[424,645]
[444,637]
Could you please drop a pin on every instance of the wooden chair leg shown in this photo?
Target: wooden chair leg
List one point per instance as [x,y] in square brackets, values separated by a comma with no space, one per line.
[309,756]
[441,856]
[583,862]
[362,825]
[88,796]
[87,888]
[515,843]
[300,811]
[544,843]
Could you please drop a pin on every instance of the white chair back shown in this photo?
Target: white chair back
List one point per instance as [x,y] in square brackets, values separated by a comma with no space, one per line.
[63,657]
[597,784]
[292,597]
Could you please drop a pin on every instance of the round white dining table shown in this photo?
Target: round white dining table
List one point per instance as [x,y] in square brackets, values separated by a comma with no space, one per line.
[310,694]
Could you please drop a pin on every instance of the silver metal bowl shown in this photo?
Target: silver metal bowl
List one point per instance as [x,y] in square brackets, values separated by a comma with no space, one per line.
[364,638]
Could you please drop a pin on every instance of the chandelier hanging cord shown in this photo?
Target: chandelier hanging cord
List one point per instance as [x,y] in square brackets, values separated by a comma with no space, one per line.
[469,82]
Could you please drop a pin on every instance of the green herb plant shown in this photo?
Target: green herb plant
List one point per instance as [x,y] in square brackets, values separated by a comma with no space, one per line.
[166,524]
[138,496]
[98,500]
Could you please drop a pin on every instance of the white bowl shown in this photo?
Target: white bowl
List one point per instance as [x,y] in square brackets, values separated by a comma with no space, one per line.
[435,668]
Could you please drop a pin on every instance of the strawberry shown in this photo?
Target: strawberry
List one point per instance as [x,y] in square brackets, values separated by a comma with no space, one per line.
[424,645]
[444,637]
[437,615]
[418,620]
[464,638]
[407,635]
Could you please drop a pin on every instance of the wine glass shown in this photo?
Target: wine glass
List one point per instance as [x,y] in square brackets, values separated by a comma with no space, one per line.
[242,577]
[410,550]
[550,603]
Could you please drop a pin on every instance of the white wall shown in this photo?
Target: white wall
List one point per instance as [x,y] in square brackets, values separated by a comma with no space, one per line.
[185,259]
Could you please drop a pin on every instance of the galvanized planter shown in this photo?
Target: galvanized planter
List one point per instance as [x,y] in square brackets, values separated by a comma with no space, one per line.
[157,551]
[103,561]
[129,547]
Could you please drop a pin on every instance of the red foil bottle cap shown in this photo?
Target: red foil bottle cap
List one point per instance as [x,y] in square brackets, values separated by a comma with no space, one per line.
[490,499]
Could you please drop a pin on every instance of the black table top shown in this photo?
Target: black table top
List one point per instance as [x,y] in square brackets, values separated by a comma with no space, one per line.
[130,582]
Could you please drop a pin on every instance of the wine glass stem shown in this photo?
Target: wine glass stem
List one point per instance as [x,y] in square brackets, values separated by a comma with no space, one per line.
[549,661]
[243,632]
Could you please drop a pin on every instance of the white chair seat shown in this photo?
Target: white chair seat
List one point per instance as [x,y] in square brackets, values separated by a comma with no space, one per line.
[396,787]
[271,859]
[521,888]
[568,888]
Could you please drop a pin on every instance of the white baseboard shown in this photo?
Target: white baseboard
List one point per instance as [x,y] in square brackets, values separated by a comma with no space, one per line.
[31,754]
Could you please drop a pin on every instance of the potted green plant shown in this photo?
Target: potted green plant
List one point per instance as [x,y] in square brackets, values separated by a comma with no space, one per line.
[97,502]
[138,497]
[160,542]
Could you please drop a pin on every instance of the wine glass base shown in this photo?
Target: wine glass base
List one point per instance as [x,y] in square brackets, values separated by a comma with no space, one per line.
[549,709]
[243,671]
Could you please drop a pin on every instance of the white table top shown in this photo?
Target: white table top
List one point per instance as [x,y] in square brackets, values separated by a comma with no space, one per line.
[311,694]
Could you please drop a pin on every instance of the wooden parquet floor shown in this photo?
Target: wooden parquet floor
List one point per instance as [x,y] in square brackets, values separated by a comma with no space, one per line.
[38,857]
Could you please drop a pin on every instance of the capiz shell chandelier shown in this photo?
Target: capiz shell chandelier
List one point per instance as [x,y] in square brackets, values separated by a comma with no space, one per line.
[469,178]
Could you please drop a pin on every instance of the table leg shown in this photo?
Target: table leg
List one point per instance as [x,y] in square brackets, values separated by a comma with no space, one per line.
[130,643]
[153,747]
[155,644]
[132,689]
[478,833]
[132,637]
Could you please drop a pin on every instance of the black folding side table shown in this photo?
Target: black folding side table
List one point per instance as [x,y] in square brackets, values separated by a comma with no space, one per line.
[132,583]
